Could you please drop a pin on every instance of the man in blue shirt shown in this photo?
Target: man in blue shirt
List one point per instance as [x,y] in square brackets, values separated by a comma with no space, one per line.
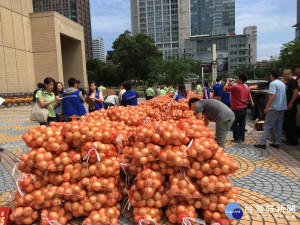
[130,96]
[274,111]
[225,98]
[217,88]
[72,103]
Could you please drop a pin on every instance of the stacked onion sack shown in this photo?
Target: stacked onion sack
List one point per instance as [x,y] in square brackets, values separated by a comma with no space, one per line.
[72,171]
[155,157]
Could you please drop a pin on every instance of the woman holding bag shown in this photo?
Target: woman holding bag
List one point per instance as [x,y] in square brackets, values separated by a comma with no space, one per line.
[96,96]
[47,100]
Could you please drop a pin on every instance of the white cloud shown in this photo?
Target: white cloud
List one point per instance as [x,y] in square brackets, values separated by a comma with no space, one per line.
[274,20]
[267,50]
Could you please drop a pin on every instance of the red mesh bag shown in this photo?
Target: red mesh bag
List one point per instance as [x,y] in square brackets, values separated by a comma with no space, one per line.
[144,153]
[148,181]
[174,156]
[183,186]
[221,163]
[104,216]
[147,215]
[161,133]
[107,167]
[100,184]
[203,148]
[55,215]
[176,213]
[195,128]
[95,151]
[24,215]
[158,200]
[214,184]
[73,192]
[58,164]
[195,169]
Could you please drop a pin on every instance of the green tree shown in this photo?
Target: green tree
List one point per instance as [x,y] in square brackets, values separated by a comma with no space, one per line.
[135,55]
[175,70]
[289,55]
[99,71]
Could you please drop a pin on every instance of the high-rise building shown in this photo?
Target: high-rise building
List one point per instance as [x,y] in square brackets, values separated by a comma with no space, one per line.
[188,28]
[297,25]
[233,51]
[76,10]
[159,20]
[214,17]
[98,49]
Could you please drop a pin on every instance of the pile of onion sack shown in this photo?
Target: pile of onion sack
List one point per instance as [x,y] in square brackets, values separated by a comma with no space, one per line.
[155,158]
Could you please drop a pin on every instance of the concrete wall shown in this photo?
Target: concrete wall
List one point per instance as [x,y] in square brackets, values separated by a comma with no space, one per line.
[54,56]
[30,47]
[72,59]
[16,57]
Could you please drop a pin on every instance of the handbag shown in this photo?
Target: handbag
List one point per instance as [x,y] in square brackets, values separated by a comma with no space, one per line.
[38,113]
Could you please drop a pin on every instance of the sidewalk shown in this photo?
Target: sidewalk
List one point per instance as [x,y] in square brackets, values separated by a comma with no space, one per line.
[268,180]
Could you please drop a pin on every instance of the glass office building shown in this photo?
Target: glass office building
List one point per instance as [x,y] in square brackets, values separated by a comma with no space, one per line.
[159,20]
[212,17]
[233,51]
[189,28]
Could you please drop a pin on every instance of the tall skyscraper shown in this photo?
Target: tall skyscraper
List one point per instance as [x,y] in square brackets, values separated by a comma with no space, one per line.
[213,17]
[188,28]
[76,10]
[297,26]
[98,49]
[159,20]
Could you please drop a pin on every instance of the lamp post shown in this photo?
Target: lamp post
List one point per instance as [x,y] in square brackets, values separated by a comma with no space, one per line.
[214,65]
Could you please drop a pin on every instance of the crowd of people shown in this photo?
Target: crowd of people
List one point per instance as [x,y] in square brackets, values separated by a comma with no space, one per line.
[65,103]
[225,104]
[280,110]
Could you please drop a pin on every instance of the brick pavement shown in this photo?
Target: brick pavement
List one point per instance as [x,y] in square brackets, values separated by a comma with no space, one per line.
[268,180]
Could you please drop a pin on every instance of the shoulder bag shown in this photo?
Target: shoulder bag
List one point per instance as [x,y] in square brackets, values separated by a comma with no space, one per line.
[38,113]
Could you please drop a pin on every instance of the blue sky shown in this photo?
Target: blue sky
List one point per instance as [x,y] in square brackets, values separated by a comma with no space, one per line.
[274,20]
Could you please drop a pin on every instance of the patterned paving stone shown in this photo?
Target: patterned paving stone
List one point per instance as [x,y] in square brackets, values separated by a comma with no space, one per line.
[10,146]
[262,179]
[246,167]
[273,164]
[272,184]
[247,151]
[259,209]
[6,181]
